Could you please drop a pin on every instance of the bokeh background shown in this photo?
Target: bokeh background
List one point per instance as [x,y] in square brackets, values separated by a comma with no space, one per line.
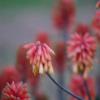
[22,20]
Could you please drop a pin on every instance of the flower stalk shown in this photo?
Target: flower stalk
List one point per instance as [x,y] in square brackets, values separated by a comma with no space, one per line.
[87,89]
[63,89]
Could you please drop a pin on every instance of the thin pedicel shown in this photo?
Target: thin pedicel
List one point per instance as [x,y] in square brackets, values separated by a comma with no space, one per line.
[63,89]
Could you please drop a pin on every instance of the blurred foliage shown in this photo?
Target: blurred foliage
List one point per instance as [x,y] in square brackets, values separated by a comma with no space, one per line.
[98,98]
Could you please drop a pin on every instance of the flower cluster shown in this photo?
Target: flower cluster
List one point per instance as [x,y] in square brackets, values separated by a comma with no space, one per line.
[77,86]
[96,21]
[8,74]
[81,48]
[96,25]
[15,91]
[64,14]
[39,55]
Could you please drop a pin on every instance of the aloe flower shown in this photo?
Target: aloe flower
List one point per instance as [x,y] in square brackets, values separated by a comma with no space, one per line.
[15,91]
[81,49]
[39,55]
[96,25]
[96,21]
[64,14]
[8,74]
[77,86]
[98,4]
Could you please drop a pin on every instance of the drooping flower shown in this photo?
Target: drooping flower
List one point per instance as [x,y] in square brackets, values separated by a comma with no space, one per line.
[77,86]
[81,48]
[98,4]
[96,25]
[8,74]
[64,14]
[82,28]
[15,91]
[39,55]
[60,57]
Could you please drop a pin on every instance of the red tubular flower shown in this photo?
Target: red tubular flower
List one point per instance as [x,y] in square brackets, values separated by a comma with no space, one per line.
[15,91]
[8,74]
[24,67]
[96,25]
[98,4]
[82,29]
[77,87]
[81,48]
[39,55]
[60,56]
[64,14]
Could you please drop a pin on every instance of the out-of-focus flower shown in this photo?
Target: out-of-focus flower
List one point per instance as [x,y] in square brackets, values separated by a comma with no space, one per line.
[24,67]
[15,91]
[43,38]
[39,55]
[21,62]
[82,28]
[96,25]
[96,21]
[98,4]
[81,48]
[8,74]
[77,86]
[40,96]
[64,14]
[60,57]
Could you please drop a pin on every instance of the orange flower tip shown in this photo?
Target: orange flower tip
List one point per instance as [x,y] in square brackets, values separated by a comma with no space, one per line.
[35,70]
[75,68]
[41,69]
[51,71]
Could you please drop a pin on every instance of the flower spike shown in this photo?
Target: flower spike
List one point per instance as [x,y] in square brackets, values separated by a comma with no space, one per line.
[39,55]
